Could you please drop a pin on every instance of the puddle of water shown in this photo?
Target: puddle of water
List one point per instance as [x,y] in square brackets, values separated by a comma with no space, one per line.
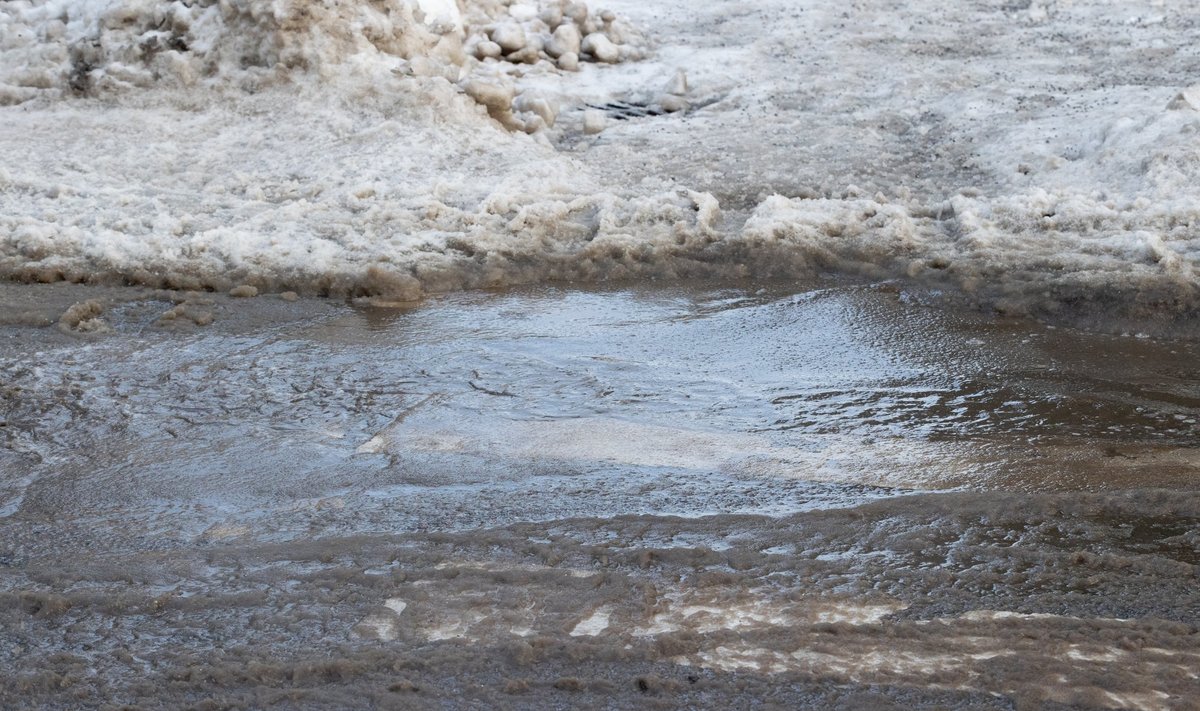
[477,409]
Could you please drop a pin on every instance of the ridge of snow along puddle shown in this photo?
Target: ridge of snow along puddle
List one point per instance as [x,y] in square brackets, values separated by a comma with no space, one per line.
[400,148]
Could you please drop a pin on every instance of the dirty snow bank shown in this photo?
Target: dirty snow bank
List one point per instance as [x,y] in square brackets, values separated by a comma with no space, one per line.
[1041,159]
[56,47]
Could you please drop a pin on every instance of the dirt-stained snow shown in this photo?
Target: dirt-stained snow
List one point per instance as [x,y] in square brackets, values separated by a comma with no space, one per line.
[1040,158]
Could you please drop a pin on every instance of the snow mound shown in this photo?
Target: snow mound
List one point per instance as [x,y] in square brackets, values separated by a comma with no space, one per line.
[97,47]
[401,147]
[105,45]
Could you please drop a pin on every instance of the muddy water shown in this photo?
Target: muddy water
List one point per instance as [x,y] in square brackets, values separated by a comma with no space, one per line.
[836,495]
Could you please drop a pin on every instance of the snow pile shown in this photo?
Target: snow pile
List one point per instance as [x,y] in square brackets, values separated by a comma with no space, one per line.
[1111,229]
[101,46]
[397,182]
[1033,253]
[1040,159]
[563,33]
[364,223]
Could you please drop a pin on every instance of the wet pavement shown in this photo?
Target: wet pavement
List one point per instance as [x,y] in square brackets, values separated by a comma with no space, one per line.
[843,495]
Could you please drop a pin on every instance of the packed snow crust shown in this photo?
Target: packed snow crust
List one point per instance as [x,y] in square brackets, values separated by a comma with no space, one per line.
[1039,157]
